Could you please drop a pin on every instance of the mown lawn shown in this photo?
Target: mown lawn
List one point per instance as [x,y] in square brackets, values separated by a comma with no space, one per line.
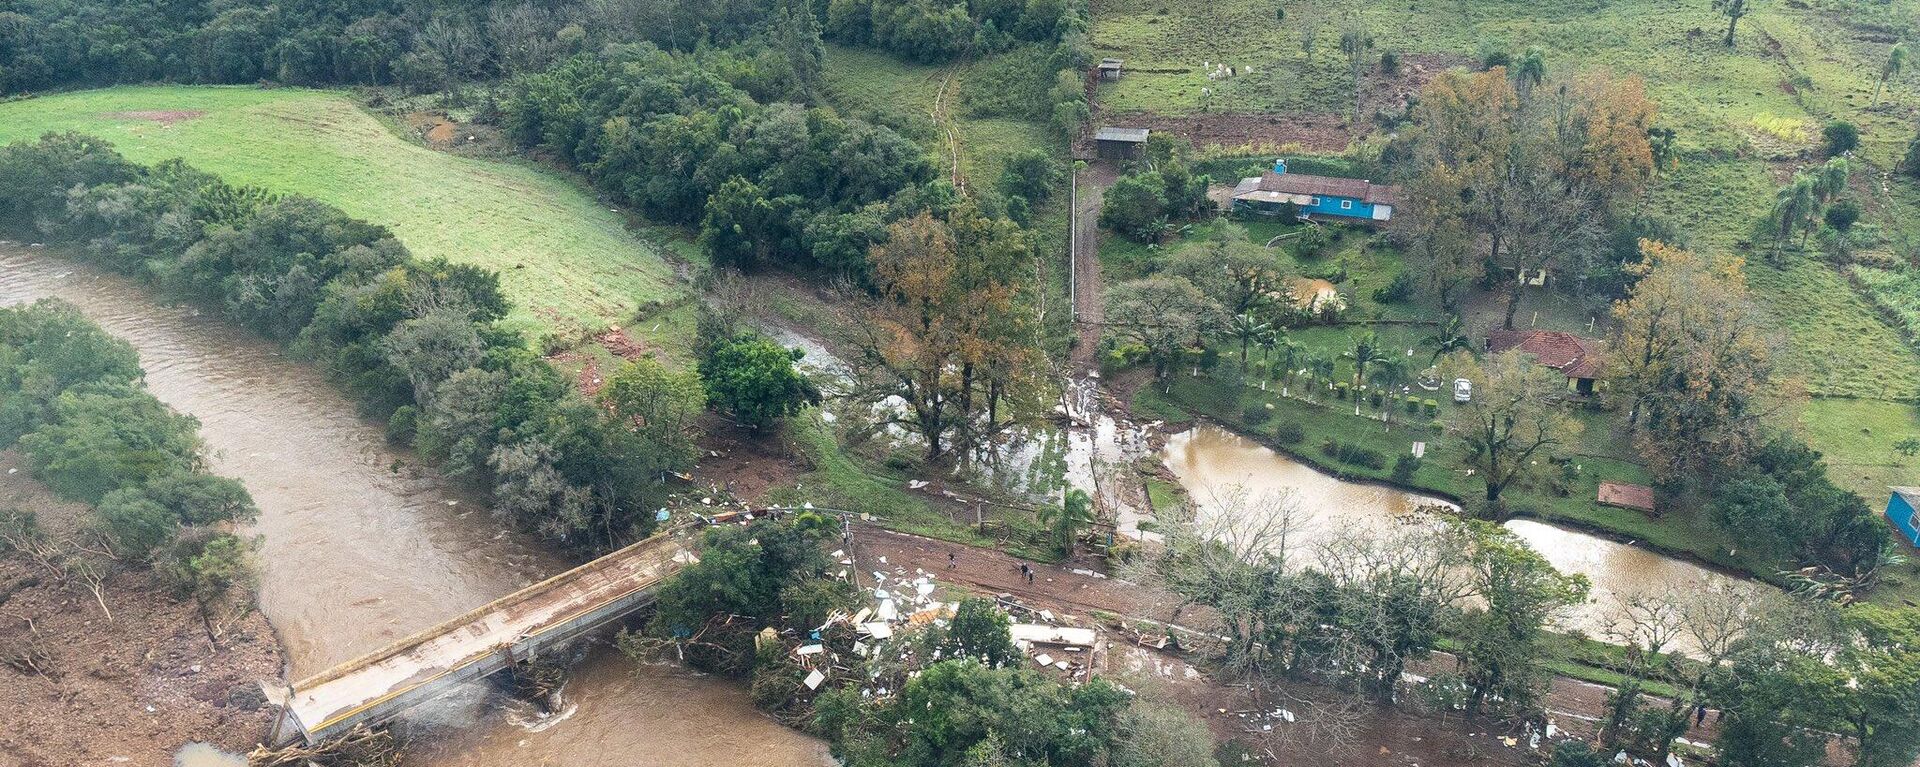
[566,261]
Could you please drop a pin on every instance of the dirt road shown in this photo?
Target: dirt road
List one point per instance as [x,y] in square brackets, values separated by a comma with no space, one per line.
[1088,306]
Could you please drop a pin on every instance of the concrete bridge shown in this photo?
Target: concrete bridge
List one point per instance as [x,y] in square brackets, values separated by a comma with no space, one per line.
[378,686]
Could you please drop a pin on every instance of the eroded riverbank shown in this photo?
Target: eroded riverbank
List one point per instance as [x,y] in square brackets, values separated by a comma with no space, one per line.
[359,547]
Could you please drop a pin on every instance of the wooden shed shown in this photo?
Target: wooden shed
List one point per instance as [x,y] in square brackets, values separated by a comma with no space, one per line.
[1109,69]
[1119,143]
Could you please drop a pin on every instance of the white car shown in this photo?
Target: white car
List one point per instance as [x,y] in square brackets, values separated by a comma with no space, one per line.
[1462,390]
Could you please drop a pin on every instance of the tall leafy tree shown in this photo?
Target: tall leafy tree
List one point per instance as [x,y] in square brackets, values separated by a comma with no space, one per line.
[1514,421]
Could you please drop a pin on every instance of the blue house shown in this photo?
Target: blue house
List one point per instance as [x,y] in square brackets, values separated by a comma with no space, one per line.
[1903,510]
[1277,192]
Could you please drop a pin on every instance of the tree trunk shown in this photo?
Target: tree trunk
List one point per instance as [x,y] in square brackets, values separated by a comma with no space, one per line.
[1732,19]
[1513,306]
[206,622]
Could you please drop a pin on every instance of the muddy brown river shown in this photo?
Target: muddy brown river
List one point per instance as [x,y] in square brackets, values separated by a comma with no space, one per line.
[359,548]
[1213,464]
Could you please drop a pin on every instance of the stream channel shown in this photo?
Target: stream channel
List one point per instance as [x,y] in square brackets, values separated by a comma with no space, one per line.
[360,547]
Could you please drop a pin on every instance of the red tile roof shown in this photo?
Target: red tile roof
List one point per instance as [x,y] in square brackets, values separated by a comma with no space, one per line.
[1570,354]
[1328,186]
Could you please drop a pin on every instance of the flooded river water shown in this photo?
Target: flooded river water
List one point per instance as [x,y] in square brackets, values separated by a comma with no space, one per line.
[1213,464]
[359,548]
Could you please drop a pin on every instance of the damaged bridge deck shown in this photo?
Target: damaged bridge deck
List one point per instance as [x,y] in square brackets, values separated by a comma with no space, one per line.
[381,684]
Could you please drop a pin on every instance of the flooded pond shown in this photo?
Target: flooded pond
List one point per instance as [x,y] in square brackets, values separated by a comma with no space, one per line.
[1213,464]
[359,548]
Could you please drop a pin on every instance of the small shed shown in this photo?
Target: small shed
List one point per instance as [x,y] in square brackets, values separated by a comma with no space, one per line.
[1109,69]
[1119,143]
[1903,510]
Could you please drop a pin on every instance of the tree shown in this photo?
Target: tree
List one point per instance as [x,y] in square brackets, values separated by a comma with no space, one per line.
[1531,69]
[1896,61]
[430,348]
[1521,591]
[1449,337]
[1133,204]
[947,336]
[1513,421]
[1841,137]
[979,631]
[1247,329]
[653,411]
[208,567]
[1689,358]
[101,438]
[1355,41]
[741,225]
[753,379]
[1163,735]
[1162,315]
[1066,522]
[1733,10]
[1363,350]
[957,704]
[1030,175]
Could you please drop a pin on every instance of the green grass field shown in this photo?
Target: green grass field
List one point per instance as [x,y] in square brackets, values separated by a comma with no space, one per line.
[861,81]
[566,261]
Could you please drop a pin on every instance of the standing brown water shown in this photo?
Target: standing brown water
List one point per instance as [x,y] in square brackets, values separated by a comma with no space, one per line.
[359,549]
[1211,461]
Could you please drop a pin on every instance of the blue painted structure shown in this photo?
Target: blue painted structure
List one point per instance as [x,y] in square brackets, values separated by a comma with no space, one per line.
[1901,507]
[1277,192]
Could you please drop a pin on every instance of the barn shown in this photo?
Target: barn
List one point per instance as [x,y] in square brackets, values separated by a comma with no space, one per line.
[1119,143]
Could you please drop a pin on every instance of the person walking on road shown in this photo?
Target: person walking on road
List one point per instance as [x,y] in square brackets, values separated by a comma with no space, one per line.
[1027,571]
[953,563]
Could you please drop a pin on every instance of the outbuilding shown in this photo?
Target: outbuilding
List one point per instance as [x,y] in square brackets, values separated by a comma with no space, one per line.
[1119,143]
[1903,510]
[1109,69]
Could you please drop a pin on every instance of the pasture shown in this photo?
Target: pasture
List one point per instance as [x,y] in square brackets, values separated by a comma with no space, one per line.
[567,262]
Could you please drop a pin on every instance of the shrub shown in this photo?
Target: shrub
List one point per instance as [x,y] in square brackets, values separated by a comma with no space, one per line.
[1312,242]
[1841,136]
[1376,398]
[1433,406]
[1353,454]
[1438,426]
[401,425]
[1405,466]
[1396,291]
[1340,389]
[1289,433]
[1390,63]
[1842,214]
[1255,414]
[1413,404]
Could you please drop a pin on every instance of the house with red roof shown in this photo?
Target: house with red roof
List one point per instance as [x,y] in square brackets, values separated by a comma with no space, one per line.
[1577,358]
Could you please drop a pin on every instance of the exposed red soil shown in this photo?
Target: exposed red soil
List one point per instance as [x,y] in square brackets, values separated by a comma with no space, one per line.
[621,345]
[163,116]
[1303,132]
[743,463]
[127,691]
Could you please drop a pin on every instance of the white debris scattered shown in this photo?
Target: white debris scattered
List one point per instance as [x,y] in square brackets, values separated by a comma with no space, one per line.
[1043,659]
[814,679]
[811,649]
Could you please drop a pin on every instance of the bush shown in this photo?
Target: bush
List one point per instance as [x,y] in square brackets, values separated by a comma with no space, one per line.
[1353,454]
[1413,404]
[1340,389]
[1376,398]
[1396,291]
[1289,433]
[1433,406]
[1390,63]
[1312,242]
[1438,426]
[401,425]
[1841,215]
[1256,414]
[1841,136]
[1404,467]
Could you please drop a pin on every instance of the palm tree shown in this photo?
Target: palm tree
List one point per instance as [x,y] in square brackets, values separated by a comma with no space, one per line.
[1291,355]
[1896,60]
[1269,339]
[1364,351]
[1531,69]
[1392,374]
[1066,521]
[1320,367]
[1247,328]
[1451,336]
[1793,205]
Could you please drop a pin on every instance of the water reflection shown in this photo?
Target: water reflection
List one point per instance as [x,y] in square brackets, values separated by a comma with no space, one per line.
[1213,464]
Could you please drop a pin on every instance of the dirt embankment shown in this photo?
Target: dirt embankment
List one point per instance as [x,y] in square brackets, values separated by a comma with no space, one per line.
[79,689]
